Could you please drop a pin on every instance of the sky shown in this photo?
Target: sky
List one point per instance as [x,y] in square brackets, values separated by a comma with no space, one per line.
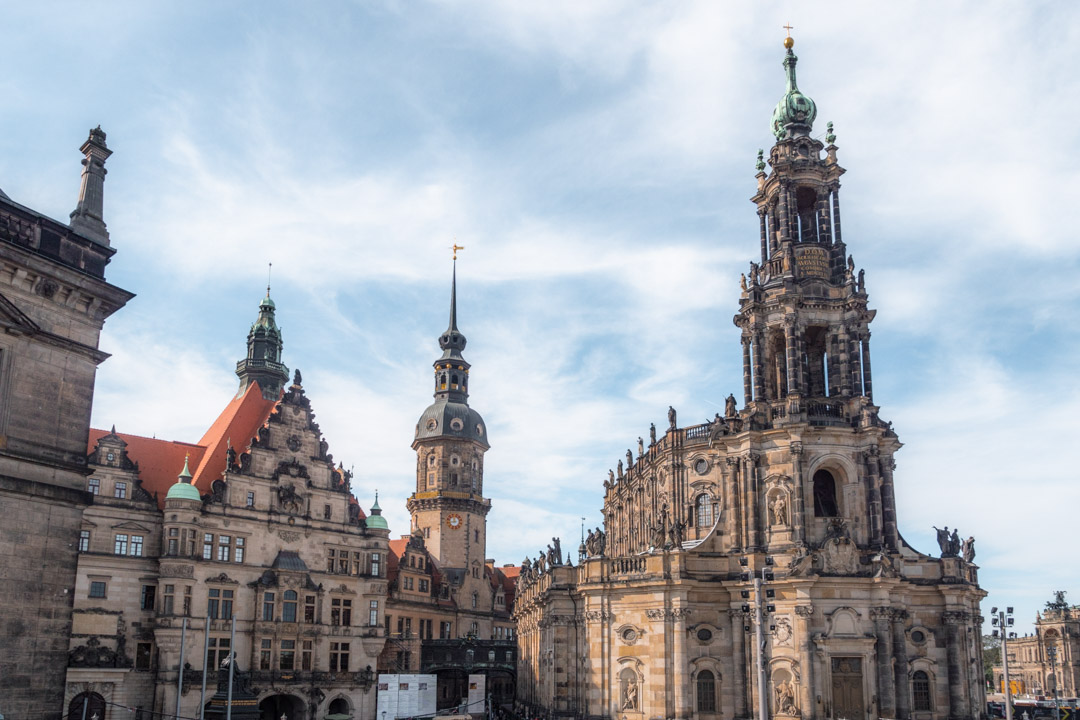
[596,161]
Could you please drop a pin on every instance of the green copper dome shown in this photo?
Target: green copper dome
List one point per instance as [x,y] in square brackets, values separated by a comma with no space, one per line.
[375,521]
[183,489]
[794,107]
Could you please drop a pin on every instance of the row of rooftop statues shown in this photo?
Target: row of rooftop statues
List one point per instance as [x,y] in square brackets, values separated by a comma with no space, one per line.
[952,546]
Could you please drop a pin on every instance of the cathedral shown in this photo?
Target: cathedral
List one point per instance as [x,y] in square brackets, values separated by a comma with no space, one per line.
[753,566]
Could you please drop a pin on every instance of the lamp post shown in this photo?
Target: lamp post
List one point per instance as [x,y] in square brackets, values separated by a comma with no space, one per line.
[761,608]
[1002,621]
[1052,652]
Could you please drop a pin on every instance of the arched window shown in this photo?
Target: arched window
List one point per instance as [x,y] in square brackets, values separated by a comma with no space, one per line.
[703,511]
[920,691]
[339,706]
[288,608]
[824,494]
[706,691]
[95,705]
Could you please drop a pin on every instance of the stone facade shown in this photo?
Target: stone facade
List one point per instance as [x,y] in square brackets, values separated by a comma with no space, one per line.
[54,301]
[260,524]
[786,504]
[1030,671]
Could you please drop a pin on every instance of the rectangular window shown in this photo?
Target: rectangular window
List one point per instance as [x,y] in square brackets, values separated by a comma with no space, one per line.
[445,630]
[84,540]
[94,486]
[288,607]
[187,600]
[167,600]
[268,607]
[327,512]
[331,560]
[509,657]
[120,490]
[343,562]
[408,627]
[251,499]
[238,551]
[309,609]
[346,612]
[305,654]
[376,564]
[144,655]
[264,653]
[147,597]
[213,602]
[207,546]
[226,604]
[373,613]
[224,541]
[120,544]
[357,564]
[339,657]
[423,585]
[173,547]
[136,546]
[287,655]
[97,589]
[219,650]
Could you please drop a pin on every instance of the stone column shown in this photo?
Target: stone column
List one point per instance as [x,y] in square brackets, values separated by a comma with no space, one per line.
[750,488]
[958,697]
[738,661]
[885,679]
[844,357]
[785,216]
[734,505]
[901,689]
[764,236]
[856,365]
[683,707]
[803,631]
[798,518]
[747,371]
[759,368]
[824,228]
[836,215]
[873,495]
[791,349]
[868,387]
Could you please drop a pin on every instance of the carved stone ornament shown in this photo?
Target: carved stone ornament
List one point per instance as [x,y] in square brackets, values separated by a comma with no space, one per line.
[840,557]
[289,536]
[92,655]
[180,571]
[598,615]
[222,579]
[293,443]
[629,634]
[782,633]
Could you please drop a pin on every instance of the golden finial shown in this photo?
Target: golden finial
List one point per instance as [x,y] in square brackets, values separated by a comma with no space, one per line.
[455,247]
[788,41]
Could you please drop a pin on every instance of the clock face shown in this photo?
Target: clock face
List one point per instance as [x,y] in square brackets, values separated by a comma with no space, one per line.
[453,521]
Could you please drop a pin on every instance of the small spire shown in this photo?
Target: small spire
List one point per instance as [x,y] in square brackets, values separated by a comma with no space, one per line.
[453,297]
[185,474]
[375,509]
[113,431]
[760,160]
[830,136]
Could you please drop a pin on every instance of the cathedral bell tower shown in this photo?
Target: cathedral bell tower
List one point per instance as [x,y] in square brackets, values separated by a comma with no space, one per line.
[263,362]
[803,313]
[448,506]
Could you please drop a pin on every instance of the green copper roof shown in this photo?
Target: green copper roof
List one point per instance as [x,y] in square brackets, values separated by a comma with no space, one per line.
[182,489]
[375,521]
[794,107]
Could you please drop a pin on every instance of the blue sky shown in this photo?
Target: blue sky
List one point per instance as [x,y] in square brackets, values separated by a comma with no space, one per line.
[596,160]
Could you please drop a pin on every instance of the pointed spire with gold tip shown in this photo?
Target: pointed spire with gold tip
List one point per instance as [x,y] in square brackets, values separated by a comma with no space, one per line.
[182,489]
[795,113]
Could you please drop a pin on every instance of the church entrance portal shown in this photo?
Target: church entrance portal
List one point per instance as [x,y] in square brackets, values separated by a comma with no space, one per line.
[847,688]
[282,707]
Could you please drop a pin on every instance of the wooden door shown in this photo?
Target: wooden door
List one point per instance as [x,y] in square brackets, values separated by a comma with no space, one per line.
[847,689]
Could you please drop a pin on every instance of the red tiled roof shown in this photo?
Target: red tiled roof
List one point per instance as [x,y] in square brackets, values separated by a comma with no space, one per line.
[237,424]
[160,461]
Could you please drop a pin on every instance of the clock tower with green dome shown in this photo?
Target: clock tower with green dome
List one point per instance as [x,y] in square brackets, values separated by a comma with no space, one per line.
[448,507]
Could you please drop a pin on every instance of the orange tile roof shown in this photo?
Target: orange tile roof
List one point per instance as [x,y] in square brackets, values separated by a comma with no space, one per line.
[160,461]
[237,424]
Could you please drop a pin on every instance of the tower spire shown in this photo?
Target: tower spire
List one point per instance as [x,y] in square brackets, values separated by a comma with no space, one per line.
[453,297]
[795,113]
[263,362]
[88,216]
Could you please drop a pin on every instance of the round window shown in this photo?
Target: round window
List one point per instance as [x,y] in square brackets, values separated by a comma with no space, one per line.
[456,424]
[629,635]
[918,636]
[701,466]
[704,635]
[432,424]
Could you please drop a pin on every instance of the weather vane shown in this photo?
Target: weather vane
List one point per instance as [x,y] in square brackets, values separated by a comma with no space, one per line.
[455,247]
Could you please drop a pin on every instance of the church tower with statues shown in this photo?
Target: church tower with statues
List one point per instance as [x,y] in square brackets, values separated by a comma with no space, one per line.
[752,566]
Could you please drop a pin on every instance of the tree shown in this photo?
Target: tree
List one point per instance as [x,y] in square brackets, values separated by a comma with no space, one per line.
[991,656]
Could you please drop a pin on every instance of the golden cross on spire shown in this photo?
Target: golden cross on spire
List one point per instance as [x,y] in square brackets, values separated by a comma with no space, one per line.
[789,28]
[455,247]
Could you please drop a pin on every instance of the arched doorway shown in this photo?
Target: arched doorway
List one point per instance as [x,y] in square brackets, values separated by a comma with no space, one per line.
[95,707]
[338,709]
[282,707]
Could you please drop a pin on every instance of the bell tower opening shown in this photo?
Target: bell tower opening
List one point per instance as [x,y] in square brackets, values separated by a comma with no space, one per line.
[825,494]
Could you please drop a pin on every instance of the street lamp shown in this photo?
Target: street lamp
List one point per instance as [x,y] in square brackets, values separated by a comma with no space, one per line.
[1002,621]
[1052,652]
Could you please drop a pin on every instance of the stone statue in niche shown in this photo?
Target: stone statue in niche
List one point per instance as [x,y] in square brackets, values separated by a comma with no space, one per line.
[786,700]
[630,694]
[778,509]
[289,499]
